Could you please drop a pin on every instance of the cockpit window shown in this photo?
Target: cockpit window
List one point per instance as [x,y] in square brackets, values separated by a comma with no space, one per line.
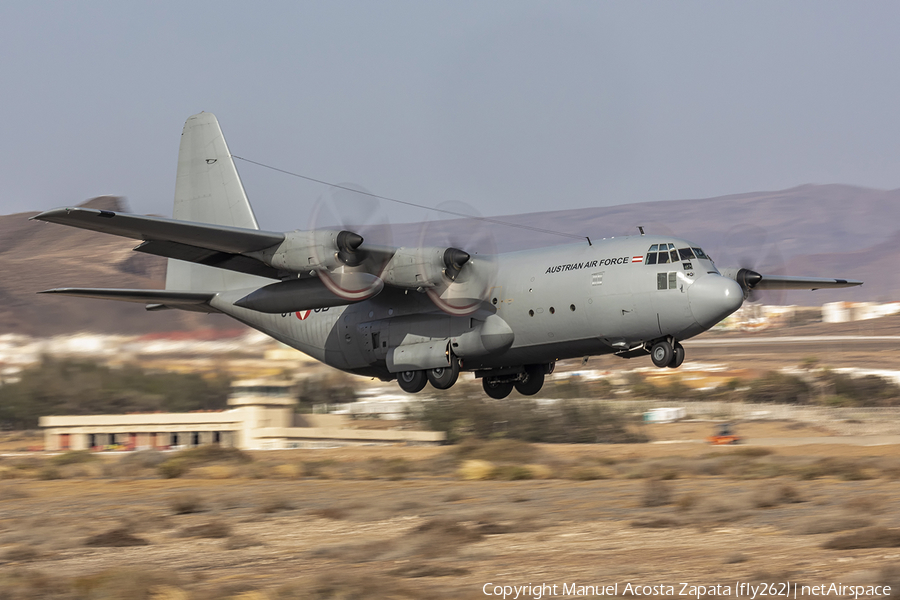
[660,254]
[663,256]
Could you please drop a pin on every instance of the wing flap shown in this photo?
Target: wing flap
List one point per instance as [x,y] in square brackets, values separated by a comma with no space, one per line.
[221,238]
[211,258]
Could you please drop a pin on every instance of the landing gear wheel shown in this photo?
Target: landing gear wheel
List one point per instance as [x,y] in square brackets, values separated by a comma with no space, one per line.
[677,356]
[444,377]
[662,354]
[496,389]
[532,382]
[411,381]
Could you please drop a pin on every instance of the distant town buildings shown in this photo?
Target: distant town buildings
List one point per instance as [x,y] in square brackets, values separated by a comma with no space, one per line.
[262,417]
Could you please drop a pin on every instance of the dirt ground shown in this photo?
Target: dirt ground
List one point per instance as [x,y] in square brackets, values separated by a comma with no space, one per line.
[648,514]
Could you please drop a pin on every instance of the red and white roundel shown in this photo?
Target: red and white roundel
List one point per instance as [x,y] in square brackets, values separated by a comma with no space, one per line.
[302,314]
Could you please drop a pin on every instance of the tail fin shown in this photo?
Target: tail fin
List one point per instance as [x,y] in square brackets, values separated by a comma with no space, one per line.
[208,189]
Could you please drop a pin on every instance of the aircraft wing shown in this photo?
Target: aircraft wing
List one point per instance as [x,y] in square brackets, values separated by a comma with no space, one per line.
[218,246]
[155,299]
[786,282]
[221,238]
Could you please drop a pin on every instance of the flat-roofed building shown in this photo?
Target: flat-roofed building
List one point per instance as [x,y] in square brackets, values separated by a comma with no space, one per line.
[262,417]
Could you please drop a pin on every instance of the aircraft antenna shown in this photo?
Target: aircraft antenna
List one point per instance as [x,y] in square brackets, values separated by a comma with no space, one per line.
[641,229]
[413,204]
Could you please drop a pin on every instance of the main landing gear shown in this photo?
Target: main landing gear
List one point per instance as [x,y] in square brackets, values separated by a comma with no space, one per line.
[527,380]
[664,354]
[442,378]
[528,383]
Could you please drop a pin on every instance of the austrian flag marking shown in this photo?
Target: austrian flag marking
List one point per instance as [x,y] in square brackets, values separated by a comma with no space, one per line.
[637,259]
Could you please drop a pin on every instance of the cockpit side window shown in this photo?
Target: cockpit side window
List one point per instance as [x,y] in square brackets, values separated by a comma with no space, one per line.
[701,254]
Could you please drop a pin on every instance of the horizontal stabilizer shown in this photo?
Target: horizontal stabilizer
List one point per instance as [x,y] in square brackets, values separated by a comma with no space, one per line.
[221,238]
[786,282]
[194,301]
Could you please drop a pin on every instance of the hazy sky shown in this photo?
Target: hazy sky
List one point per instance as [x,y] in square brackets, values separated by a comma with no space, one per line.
[509,106]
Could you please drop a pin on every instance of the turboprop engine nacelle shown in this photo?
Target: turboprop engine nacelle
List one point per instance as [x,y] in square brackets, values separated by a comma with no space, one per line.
[424,268]
[323,249]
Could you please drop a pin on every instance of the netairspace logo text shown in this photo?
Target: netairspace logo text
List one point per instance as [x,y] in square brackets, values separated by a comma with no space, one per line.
[740,590]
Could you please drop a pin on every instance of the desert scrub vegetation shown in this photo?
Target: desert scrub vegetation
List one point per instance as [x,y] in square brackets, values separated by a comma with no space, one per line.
[181,462]
[79,387]
[566,421]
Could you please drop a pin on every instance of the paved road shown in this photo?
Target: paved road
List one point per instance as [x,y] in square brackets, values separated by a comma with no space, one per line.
[817,340]
[848,440]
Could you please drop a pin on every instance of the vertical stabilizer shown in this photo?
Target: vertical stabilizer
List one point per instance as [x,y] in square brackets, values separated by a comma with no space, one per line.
[208,189]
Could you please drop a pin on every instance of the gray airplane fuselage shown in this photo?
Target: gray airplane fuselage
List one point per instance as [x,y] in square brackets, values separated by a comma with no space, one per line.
[544,305]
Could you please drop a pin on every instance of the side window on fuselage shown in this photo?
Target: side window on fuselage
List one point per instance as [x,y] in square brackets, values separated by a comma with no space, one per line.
[667,280]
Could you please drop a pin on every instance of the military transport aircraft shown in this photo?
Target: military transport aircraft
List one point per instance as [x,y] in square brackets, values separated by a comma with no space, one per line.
[422,314]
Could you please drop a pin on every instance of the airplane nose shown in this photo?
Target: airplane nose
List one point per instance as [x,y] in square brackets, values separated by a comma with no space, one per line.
[713,298]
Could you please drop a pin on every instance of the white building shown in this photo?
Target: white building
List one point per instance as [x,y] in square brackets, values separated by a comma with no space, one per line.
[261,418]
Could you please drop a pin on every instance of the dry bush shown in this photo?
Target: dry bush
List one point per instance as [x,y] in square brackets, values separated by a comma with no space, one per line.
[871,537]
[656,493]
[72,457]
[317,468]
[173,468]
[768,496]
[213,529]
[287,471]
[115,538]
[497,451]
[332,512]
[431,539]
[49,472]
[585,473]
[873,504]
[426,569]
[26,584]
[476,470]
[213,453]
[10,491]
[735,558]
[21,553]
[656,523]
[512,473]
[686,502]
[719,510]
[125,582]
[215,472]
[239,542]
[751,451]
[829,524]
[275,503]
[186,504]
[540,471]
[392,468]
[846,469]
[456,496]
[346,585]
[491,524]
[436,536]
